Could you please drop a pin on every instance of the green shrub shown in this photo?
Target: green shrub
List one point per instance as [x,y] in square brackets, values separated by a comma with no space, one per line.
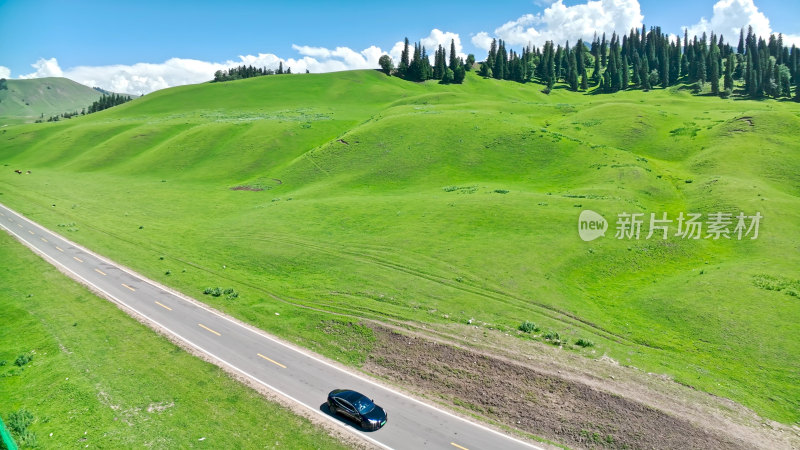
[19,421]
[552,337]
[584,343]
[528,327]
[501,191]
[23,359]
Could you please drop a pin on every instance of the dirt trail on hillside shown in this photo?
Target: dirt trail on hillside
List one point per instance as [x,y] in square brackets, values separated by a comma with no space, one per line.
[564,410]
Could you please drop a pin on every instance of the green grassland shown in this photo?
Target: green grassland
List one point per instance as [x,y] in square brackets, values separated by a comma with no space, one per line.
[99,377]
[398,201]
[27,100]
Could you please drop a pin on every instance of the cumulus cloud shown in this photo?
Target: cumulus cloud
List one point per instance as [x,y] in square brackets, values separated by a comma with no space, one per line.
[482,40]
[142,78]
[560,23]
[45,68]
[791,39]
[5,72]
[729,17]
[443,38]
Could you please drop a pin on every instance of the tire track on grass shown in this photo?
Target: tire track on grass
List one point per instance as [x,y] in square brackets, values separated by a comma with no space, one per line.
[489,293]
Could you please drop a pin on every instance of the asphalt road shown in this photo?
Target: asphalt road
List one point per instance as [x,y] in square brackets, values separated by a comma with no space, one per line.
[289,371]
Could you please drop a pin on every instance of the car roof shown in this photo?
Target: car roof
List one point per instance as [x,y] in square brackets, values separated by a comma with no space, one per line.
[351,395]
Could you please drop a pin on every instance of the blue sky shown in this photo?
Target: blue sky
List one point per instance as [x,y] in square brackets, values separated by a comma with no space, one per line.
[95,33]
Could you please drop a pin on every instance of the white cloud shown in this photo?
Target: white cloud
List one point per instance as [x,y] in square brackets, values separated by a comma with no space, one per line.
[560,23]
[482,40]
[45,68]
[147,77]
[729,17]
[316,52]
[791,39]
[5,72]
[443,38]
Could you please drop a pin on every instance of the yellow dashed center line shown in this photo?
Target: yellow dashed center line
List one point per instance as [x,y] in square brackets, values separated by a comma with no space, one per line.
[458,446]
[164,306]
[209,329]
[44,240]
[31,232]
[20,225]
[77,259]
[271,360]
[59,249]
[134,290]
[99,271]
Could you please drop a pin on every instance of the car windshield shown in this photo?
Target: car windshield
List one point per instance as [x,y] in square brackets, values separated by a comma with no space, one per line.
[364,405]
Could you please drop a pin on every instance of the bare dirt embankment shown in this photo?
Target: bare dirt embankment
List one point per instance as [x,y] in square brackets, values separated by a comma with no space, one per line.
[581,404]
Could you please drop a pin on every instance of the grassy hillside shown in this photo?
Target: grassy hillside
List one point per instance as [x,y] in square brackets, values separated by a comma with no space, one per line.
[98,377]
[361,194]
[27,100]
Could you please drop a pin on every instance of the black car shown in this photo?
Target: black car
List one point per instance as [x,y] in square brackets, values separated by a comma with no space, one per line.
[357,407]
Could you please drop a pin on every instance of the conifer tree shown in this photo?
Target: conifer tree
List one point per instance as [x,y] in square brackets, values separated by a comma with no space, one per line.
[490,58]
[404,60]
[797,88]
[573,72]
[644,74]
[453,60]
[740,48]
[438,63]
[728,83]
[625,72]
[597,60]
[714,76]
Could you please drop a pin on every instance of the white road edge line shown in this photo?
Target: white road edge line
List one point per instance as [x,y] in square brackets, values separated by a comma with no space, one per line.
[192,344]
[264,335]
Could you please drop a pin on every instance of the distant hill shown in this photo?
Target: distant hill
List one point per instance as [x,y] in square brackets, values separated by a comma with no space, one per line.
[27,100]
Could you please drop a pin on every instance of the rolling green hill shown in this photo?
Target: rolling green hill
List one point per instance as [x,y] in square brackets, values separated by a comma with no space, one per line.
[356,193]
[27,100]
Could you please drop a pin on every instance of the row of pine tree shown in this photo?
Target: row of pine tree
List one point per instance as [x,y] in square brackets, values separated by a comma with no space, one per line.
[417,67]
[241,72]
[640,60]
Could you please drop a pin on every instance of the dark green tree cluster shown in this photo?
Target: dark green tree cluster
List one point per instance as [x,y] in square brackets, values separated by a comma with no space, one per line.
[769,66]
[3,84]
[417,67]
[56,118]
[241,72]
[649,59]
[549,64]
[107,101]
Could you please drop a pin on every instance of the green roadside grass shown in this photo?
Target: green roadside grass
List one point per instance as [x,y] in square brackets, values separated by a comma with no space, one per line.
[99,378]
